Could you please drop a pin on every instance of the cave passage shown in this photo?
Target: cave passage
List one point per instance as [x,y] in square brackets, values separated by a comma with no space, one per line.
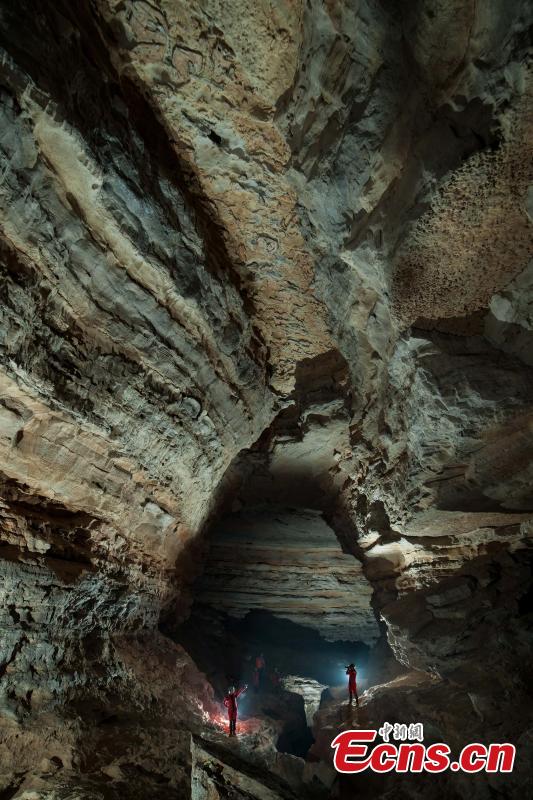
[224,648]
[266,386]
[277,582]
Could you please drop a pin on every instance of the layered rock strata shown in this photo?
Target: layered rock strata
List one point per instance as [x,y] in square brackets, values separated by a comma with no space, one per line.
[289,563]
[260,254]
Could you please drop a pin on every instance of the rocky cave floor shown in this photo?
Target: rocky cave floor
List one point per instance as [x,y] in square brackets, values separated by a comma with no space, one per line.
[266,384]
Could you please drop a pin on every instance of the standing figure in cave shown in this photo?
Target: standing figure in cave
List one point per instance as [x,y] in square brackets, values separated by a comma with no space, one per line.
[260,666]
[276,679]
[352,683]
[230,701]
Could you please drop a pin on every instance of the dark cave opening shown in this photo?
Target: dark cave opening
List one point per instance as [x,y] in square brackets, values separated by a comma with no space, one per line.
[224,649]
[278,581]
[295,740]
[296,649]
[11,790]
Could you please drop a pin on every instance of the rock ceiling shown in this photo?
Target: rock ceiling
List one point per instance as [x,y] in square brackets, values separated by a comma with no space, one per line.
[260,255]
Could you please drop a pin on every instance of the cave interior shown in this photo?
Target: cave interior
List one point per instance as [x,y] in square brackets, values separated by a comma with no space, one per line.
[266,387]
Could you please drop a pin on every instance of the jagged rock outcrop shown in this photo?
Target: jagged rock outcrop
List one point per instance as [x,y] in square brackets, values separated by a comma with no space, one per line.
[260,256]
[310,690]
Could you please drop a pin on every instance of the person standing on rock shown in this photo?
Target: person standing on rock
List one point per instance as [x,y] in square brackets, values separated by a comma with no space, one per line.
[230,701]
[255,680]
[352,683]
[276,679]
[260,666]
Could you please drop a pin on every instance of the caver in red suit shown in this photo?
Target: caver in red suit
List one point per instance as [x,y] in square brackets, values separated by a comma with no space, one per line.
[230,701]
[352,683]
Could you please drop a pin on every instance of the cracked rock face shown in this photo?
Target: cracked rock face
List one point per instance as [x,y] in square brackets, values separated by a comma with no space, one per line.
[266,346]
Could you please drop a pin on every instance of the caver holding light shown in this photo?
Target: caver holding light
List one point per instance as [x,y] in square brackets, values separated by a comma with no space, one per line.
[352,683]
[230,701]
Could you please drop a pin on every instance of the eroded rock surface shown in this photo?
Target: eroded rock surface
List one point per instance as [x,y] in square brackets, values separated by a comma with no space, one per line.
[291,564]
[268,262]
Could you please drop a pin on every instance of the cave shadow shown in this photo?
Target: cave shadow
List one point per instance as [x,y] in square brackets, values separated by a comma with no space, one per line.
[224,648]
[297,649]
[295,739]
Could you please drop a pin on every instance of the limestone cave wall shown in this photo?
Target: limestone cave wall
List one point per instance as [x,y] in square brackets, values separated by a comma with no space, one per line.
[265,317]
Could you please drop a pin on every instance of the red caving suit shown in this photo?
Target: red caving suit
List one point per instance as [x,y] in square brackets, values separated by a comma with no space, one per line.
[230,701]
